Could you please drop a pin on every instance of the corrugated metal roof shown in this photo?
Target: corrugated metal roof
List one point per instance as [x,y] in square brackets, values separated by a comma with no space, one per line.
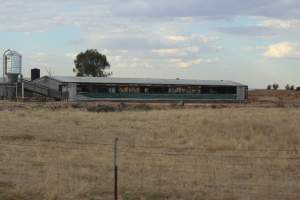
[150,81]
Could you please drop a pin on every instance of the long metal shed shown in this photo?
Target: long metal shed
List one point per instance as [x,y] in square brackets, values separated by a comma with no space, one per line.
[100,88]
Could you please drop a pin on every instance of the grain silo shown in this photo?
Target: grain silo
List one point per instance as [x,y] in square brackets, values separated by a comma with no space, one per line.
[12,66]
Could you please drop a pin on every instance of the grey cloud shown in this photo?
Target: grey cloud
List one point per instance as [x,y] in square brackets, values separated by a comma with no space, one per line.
[209,9]
[132,43]
[37,15]
[147,42]
[256,31]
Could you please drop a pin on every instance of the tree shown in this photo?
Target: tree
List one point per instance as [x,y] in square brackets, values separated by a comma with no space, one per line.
[269,87]
[275,86]
[292,87]
[91,63]
[287,87]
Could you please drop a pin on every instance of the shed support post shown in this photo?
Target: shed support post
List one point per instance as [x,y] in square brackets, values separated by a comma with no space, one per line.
[115,170]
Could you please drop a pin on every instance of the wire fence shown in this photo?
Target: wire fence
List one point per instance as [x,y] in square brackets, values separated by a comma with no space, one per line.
[153,172]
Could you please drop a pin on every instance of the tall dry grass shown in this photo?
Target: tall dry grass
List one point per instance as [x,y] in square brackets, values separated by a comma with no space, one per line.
[230,153]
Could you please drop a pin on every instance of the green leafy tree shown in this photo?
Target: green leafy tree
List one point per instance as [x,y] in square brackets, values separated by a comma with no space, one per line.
[91,63]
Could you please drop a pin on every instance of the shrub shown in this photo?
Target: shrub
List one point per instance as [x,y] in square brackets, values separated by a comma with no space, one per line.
[280,104]
[55,107]
[144,107]
[173,105]
[101,108]
[78,105]
[17,137]
[269,87]
[129,196]
[122,106]
[181,103]
[287,87]
[217,106]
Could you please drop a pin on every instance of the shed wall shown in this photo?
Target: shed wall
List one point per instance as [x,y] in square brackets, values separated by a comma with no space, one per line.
[71,88]
[7,91]
[241,93]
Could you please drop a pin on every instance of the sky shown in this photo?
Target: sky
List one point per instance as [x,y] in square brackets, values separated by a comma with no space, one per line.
[255,42]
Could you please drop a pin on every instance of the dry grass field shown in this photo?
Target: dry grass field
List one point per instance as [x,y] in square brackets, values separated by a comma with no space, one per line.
[65,153]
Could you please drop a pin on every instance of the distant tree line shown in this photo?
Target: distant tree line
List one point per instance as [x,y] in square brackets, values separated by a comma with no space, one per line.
[275,86]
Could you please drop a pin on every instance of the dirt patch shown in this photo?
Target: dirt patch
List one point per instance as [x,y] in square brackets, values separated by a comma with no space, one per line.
[274,96]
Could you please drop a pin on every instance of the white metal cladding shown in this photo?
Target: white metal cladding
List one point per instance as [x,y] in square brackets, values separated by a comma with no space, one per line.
[241,93]
[13,62]
[144,81]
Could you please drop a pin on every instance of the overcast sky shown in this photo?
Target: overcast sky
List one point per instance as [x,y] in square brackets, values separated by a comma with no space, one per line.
[255,42]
